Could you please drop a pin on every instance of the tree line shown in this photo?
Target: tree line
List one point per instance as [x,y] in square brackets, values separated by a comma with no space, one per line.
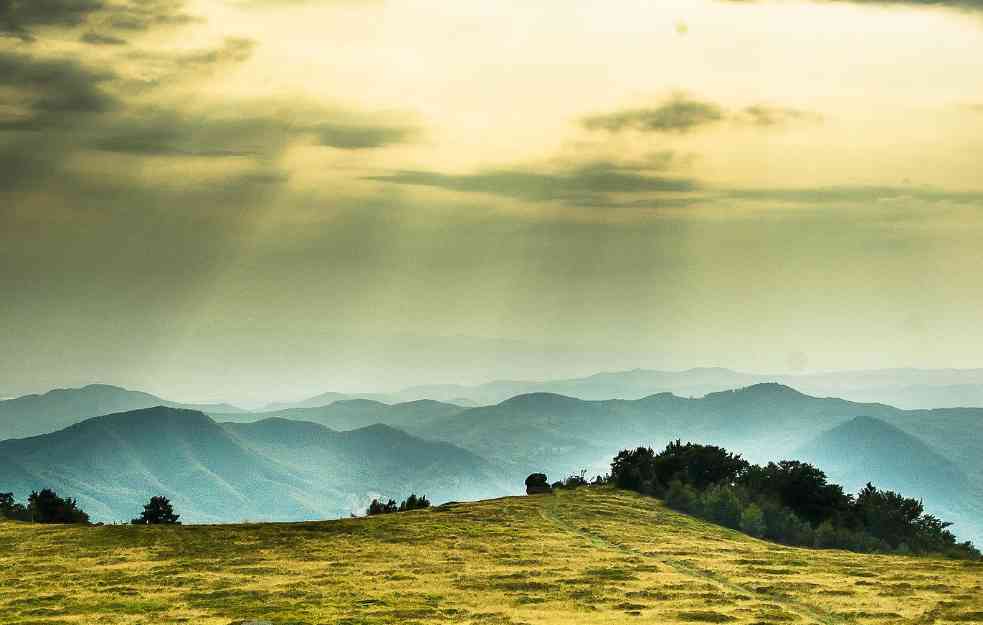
[45,506]
[410,503]
[790,502]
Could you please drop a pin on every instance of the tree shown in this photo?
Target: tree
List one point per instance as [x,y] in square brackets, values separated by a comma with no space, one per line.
[414,503]
[10,509]
[158,511]
[377,507]
[45,506]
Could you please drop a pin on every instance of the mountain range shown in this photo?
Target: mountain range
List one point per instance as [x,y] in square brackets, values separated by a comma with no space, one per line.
[30,415]
[905,388]
[327,460]
[275,469]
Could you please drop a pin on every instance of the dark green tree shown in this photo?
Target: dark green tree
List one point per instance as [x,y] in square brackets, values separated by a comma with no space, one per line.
[158,511]
[45,506]
[10,509]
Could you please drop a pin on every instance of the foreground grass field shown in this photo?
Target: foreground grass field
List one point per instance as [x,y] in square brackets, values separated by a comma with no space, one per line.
[590,556]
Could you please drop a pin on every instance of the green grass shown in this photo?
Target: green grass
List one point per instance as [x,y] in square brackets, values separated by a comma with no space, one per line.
[595,556]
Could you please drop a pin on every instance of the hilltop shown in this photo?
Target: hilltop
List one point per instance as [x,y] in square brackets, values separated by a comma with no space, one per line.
[588,556]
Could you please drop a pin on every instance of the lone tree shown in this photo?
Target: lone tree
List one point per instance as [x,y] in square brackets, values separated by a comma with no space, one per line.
[45,506]
[537,484]
[158,511]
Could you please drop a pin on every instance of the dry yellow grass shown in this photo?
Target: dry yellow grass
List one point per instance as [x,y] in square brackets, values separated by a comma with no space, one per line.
[594,556]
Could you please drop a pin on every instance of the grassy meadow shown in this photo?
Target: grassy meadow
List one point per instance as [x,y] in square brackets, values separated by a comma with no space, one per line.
[594,555]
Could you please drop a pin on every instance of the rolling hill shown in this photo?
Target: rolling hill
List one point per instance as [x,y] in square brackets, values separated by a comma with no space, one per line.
[589,556]
[275,470]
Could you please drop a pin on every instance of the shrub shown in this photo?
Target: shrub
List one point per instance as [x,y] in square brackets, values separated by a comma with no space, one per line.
[753,521]
[721,504]
[537,484]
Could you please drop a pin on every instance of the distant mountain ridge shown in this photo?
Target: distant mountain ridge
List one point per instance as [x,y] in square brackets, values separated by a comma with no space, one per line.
[904,388]
[31,415]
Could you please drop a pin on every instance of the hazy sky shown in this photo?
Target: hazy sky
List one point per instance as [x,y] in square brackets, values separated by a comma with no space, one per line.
[271,198]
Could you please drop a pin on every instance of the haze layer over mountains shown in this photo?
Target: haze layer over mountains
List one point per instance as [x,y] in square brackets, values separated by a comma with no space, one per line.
[327,456]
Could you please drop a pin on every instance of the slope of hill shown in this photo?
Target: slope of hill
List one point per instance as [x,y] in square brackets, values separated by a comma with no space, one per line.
[31,415]
[114,463]
[349,414]
[589,556]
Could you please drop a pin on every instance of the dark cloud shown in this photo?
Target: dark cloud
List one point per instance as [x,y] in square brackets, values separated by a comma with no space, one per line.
[18,17]
[679,114]
[358,137]
[138,15]
[47,88]
[682,114]
[101,40]
[169,133]
[597,184]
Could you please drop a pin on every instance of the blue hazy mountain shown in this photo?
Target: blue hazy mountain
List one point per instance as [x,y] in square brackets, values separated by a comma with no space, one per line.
[271,470]
[30,415]
[348,414]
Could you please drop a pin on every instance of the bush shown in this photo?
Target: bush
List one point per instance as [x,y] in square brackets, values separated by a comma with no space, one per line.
[753,521]
[683,497]
[45,506]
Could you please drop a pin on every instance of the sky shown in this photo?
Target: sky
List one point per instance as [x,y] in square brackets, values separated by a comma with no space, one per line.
[266,199]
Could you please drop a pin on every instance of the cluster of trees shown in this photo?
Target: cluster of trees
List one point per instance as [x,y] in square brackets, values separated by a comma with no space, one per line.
[790,502]
[45,506]
[410,503]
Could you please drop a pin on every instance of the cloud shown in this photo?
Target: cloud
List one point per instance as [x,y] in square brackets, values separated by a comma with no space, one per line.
[682,114]
[678,114]
[21,18]
[44,89]
[18,17]
[101,40]
[596,184]
[360,137]
[763,115]
[847,194]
